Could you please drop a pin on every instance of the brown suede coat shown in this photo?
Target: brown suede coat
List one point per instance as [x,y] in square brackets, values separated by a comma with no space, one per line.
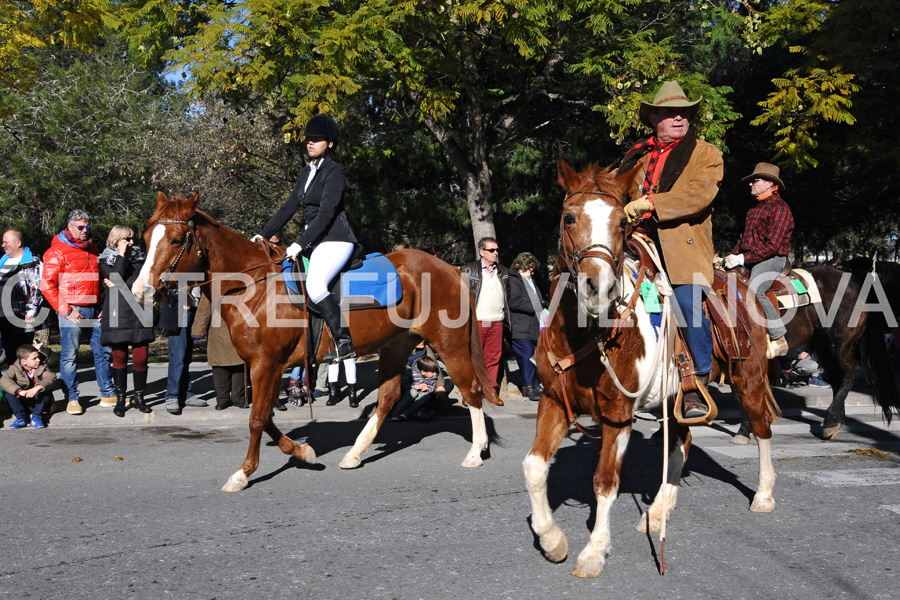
[684,215]
[220,350]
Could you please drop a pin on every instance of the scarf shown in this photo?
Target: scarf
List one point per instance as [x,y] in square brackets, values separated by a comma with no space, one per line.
[133,256]
[674,166]
[82,245]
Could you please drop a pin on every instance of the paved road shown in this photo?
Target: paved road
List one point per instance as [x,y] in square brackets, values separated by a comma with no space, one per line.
[412,523]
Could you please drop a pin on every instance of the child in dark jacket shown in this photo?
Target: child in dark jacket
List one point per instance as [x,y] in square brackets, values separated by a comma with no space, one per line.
[422,378]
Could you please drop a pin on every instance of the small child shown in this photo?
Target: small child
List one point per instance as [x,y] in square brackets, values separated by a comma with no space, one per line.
[27,383]
[424,382]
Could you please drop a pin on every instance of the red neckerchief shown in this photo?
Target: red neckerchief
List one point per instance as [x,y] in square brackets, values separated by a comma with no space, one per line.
[658,154]
[83,245]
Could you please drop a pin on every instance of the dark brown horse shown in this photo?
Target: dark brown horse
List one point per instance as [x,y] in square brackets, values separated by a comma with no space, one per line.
[845,330]
[607,369]
[266,329]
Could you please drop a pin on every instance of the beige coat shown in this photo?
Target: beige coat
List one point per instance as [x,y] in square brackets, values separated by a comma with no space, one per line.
[684,215]
[220,351]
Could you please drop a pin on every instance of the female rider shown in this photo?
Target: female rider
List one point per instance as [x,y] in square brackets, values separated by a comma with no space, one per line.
[327,238]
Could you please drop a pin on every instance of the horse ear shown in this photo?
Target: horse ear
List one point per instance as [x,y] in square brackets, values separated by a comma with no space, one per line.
[161,198]
[194,200]
[568,178]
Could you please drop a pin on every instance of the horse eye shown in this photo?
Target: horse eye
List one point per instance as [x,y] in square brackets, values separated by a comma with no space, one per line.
[569,219]
[176,241]
[623,223]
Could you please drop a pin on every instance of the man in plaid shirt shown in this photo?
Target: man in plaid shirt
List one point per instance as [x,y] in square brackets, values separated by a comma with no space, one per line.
[765,244]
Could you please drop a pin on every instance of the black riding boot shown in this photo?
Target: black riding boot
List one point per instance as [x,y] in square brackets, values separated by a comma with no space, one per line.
[334,393]
[140,382]
[694,404]
[331,312]
[119,377]
[351,395]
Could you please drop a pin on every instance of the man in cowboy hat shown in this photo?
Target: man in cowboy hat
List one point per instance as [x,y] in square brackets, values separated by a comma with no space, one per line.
[676,180]
[764,245]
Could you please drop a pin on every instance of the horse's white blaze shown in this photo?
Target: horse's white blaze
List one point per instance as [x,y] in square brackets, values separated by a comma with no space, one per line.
[143,279]
[597,300]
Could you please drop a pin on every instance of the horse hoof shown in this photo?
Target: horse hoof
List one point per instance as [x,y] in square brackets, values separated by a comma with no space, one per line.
[557,550]
[307,454]
[234,485]
[829,433]
[763,505]
[588,569]
[349,462]
[740,439]
[472,461]
[654,525]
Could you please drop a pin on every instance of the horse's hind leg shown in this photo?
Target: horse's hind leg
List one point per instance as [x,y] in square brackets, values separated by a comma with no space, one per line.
[679,444]
[760,414]
[550,431]
[592,558]
[391,364]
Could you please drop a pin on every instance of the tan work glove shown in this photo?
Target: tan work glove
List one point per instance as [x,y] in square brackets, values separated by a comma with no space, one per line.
[636,209]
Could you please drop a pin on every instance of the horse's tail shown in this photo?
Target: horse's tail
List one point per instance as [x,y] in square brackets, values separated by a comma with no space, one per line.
[877,364]
[482,377]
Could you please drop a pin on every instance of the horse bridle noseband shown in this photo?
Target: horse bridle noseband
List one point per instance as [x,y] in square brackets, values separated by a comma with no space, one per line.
[191,233]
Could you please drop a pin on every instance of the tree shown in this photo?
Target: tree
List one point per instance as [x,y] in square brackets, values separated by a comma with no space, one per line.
[483,79]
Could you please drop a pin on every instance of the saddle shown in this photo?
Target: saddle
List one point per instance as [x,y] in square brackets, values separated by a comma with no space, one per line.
[791,288]
[362,284]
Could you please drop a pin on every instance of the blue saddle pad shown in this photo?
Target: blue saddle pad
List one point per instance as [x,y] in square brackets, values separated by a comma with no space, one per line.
[374,284]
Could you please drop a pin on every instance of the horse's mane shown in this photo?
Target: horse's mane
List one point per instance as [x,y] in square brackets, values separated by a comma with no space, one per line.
[603,178]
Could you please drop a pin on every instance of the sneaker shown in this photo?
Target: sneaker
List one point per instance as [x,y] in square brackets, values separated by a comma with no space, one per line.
[107,401]
[74,408]
[18,424]
[196,402]
[816,382]
[172,406]
[36,422]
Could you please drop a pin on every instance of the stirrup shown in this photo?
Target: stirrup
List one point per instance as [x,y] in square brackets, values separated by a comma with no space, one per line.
[343,349]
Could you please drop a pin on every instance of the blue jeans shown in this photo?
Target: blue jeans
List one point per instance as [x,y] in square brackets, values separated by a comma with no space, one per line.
[69,339]
[694,325]
[38,405]
[178,380]
[524,350]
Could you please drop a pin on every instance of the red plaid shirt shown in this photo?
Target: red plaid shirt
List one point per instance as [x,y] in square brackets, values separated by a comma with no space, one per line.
[767,232]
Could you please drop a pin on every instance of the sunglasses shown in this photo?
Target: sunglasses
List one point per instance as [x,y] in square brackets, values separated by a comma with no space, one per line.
[83,227]
[491,250]
[128,239]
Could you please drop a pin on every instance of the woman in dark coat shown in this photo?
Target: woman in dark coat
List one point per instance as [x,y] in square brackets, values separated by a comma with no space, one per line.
[120,325]
[525,305]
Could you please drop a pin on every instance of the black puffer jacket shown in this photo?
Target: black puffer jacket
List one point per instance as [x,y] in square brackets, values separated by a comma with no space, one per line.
[119,324]
[522,300]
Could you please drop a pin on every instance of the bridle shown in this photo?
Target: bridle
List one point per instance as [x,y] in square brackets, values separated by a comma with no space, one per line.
[600,251]
[189,236]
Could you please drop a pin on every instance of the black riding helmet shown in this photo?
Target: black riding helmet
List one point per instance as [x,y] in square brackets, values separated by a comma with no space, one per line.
[322,126]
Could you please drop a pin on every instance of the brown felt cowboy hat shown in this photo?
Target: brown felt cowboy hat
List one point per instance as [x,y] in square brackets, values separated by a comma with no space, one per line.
[670,94]
[766,171]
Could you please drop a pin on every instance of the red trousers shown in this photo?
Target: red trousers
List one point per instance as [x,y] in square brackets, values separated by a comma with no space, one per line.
[492,342]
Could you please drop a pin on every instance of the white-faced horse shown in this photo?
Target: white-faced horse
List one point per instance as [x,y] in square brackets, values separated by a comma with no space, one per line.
[610,366]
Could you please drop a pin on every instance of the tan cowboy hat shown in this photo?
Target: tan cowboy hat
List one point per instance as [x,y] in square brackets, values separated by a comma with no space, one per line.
[766,171]
[670,94]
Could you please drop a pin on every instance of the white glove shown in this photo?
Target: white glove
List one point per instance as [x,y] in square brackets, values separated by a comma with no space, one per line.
[294,251]
[257,238]
[734,260]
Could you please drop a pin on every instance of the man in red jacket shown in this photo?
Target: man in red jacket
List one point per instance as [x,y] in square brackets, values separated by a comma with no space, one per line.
[71,284]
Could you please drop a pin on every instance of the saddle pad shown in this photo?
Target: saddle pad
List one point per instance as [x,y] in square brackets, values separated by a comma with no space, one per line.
[375,284]
[798,288]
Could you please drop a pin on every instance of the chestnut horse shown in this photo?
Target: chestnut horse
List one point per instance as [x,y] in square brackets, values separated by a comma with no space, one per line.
[593,368]
[436,306]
